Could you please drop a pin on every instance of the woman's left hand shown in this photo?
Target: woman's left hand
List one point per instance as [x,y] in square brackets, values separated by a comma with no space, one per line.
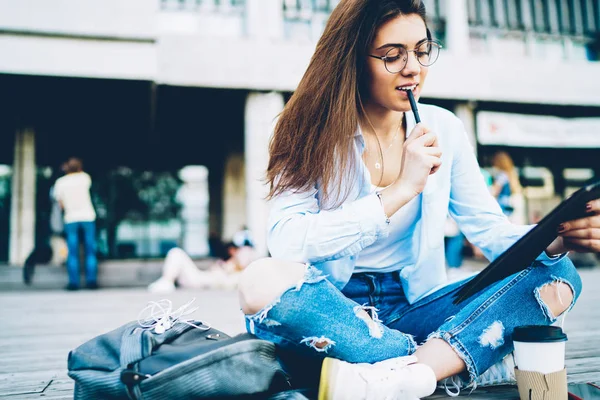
[582,235]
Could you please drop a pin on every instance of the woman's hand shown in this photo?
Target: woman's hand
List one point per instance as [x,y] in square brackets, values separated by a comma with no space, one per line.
[583,235]
[421,157]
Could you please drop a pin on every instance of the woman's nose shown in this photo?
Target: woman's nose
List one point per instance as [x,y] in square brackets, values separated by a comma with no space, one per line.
[412,67]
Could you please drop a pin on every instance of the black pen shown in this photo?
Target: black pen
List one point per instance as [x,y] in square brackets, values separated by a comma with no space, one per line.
[413,105]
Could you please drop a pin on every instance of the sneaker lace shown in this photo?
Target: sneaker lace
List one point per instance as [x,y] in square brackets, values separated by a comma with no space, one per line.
[456,383]
[501,373]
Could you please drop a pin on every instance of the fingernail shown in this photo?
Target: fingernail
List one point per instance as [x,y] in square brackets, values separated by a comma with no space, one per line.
[561,227]
[588,207]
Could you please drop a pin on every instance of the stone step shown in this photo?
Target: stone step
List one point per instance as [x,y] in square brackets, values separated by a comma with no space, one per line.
[112,273]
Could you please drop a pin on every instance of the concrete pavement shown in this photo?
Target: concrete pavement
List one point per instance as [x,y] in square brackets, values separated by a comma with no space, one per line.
[40,327]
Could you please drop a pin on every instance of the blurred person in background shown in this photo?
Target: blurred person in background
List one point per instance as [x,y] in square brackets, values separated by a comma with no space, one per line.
[179,269]
[506,187]
[72,192]
[358,195]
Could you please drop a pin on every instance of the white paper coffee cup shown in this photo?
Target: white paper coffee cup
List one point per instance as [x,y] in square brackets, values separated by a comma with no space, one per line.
[539,348]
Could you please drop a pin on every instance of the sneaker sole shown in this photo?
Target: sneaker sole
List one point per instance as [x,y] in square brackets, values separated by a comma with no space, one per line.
[328,371]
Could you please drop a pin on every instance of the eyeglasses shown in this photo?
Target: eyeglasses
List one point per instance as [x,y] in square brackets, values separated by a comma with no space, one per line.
[396,58]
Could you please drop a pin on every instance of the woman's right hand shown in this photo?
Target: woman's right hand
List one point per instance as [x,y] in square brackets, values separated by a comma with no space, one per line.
[421,157]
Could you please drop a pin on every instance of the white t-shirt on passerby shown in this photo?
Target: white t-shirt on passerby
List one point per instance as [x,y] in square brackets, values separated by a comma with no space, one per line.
[73,191]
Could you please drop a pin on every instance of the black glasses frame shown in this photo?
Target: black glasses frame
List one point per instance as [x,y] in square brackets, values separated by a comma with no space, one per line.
[386,57]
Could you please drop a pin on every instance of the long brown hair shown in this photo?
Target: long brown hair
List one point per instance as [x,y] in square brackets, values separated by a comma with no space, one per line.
[312,141]
[504,162]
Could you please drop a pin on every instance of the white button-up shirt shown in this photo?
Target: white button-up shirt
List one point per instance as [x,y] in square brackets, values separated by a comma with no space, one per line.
[331,240]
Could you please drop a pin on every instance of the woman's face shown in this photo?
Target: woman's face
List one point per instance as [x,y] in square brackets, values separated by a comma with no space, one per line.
[384,88]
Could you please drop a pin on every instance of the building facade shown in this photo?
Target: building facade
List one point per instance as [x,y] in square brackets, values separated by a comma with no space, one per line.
[147,91]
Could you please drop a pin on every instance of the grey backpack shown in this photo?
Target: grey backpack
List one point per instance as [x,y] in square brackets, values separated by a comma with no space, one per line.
[182,363]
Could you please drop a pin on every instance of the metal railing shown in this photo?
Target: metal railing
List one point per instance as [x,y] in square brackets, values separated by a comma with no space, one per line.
[306,18]
[579,18]
[309,11]
[436,16]
[573,18]
[303,9]
[203,5]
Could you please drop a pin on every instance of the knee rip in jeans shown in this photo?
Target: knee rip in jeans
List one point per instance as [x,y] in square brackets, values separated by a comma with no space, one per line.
[373,322]
[543,293]
[493,335]
[320,344]
[311,275]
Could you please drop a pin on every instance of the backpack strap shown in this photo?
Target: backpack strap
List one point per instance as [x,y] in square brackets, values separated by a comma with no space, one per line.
[139,342]
[132,346]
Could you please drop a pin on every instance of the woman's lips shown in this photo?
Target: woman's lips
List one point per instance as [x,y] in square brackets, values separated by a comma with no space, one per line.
[403,90]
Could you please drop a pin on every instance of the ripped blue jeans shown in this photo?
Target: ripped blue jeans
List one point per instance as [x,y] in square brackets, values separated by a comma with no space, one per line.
[370,320]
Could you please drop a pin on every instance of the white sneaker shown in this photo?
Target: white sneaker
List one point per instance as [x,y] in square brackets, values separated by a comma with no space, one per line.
[403,379]
[501,373]
[161,286]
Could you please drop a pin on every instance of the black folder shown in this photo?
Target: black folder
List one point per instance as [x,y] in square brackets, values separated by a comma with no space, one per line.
[522,254]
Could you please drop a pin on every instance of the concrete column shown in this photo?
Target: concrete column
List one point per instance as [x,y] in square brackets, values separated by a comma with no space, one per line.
[234,196]
[194,198]
[22,214]
[457,27]
[260,114]
[264,19]
[466,113]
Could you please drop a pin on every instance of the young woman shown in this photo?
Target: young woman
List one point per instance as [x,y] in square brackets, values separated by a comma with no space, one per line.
[359,196]
[506,182]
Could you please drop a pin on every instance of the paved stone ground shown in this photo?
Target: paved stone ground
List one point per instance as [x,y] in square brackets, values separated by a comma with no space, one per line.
[40,327]
[111,274]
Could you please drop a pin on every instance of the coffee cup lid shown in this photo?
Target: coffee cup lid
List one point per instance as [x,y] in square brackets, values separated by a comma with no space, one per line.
[538,334]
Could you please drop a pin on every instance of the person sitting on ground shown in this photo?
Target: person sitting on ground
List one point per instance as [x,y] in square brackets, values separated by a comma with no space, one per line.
[359,192]
[180,269]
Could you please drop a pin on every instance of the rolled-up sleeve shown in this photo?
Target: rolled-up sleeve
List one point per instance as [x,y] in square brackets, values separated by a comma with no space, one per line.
[476,211]
[300,231]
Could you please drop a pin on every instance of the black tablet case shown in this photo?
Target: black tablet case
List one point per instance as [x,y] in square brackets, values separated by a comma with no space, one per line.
[522,254]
